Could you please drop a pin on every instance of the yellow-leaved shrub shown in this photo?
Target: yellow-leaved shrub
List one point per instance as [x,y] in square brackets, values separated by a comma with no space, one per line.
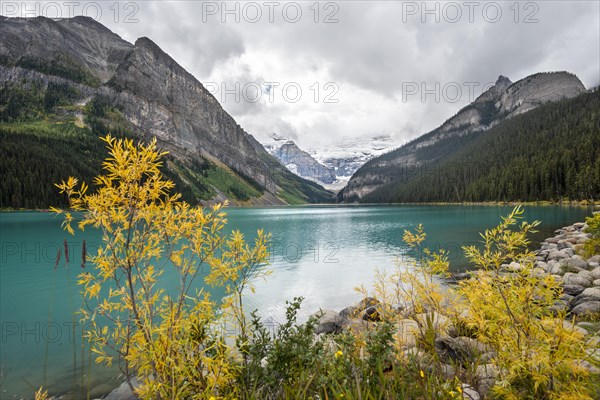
[168,339]
[538,353]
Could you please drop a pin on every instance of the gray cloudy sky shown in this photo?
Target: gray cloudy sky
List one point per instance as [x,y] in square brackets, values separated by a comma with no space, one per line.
[361,67]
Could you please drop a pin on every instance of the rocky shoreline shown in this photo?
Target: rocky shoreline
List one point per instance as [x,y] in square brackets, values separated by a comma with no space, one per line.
[580,278]
[558,256]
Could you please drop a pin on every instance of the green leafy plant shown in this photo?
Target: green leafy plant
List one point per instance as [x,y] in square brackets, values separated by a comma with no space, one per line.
[592,246]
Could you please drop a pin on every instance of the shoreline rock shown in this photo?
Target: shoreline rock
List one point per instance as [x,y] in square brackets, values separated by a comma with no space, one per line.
[558,256]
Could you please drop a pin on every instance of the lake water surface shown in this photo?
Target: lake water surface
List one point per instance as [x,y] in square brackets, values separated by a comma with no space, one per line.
[319,252]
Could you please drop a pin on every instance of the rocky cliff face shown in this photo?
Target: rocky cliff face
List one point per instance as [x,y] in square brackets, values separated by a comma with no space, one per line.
[501,101]
[298,161]
[164,100]
[156,95]
[79,48]
[534,90]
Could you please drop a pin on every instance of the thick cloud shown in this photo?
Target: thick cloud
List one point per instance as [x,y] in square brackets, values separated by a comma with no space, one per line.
[364,63]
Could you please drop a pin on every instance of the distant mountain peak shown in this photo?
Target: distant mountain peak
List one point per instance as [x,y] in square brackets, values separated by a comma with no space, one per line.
[502,83]
[147,42]
[279,138]
[332,163]
[501,101]
[297,160]
[87,21]
[276,136]
[503,80]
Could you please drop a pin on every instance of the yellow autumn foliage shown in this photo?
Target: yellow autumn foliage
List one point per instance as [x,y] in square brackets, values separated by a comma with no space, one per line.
[539,354]
[168,339]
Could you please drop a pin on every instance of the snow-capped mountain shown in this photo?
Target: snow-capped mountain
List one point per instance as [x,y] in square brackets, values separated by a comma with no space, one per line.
[330,165]
[298,161]
[349,154]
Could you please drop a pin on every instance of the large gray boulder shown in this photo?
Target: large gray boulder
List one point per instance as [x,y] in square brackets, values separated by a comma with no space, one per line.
[330,321]
[575,262]
[595,258]
[582,298]
[557,254]
[469,393]
[554,267]
[577,279]
[486,375]
[573,290]
[593,292]
[588,308]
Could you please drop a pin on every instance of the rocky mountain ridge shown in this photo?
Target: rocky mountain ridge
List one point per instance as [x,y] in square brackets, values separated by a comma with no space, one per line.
[500,102]
[157,97]
[299,161]
[79,48]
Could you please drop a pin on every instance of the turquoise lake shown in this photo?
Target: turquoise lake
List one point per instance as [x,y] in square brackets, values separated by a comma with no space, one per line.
[319,252]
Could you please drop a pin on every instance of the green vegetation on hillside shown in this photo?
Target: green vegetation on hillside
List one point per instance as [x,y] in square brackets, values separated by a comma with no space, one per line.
[27,101]
[35,154]
[550,153]
[204,179]
[62,66]
[43,137]
[295,190]
[592,246]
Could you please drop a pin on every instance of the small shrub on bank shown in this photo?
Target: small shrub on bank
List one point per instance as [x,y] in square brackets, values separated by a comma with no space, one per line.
[538,354]
[529,351]
[592,246]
